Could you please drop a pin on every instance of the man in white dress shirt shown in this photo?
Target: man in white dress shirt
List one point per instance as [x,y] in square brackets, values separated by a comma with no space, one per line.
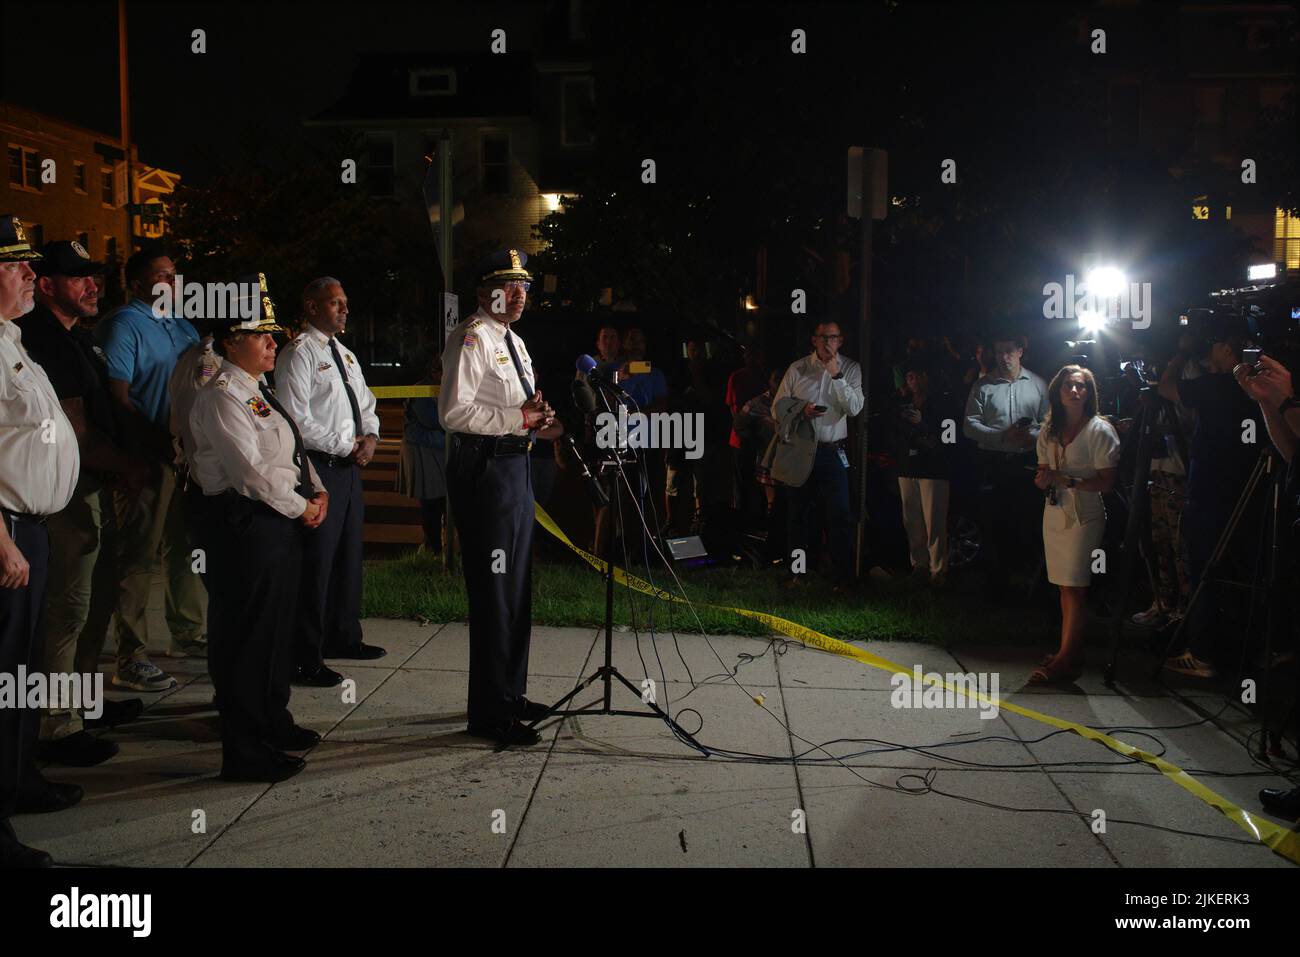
[320,384]
[831,386]
[1003,414]
[39,465]
[490,410]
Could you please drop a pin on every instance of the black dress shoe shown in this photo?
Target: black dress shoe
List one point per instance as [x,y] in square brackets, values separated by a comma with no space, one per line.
[80,750]
[532,710]
[47,797]
[15,854]
[272,769]
[322,677]
[115,713]
[1281,802]
[297,739]
[511,733]
[359,652]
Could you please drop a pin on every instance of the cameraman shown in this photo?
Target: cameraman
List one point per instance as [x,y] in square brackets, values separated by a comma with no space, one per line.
[1221,462]
[1269,384]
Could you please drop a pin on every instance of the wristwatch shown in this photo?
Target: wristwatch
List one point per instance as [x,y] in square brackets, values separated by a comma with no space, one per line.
[1290,402]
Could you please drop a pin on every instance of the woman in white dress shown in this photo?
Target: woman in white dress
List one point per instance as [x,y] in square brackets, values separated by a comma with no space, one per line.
[1078,452]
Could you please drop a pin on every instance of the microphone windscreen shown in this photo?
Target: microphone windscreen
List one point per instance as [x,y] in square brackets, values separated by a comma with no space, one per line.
[585,364]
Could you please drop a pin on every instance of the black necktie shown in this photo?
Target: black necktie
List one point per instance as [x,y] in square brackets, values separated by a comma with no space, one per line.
[304,477]
[519,366]
[347,386]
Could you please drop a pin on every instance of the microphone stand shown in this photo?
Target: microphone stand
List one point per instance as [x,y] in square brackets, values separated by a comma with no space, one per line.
[607,673]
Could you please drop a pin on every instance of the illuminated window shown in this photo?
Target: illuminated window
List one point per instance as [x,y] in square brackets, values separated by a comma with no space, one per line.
[1286,240]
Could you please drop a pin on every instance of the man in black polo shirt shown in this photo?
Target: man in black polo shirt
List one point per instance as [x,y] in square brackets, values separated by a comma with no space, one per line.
[82,583]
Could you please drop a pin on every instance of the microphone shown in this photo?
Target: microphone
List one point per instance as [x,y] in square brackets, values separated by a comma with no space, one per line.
[587,366]
[595,490]
[584,397]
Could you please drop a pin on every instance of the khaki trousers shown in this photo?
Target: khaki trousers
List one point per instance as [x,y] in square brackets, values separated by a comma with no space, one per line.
[80,593]
[925,516]
[155,520]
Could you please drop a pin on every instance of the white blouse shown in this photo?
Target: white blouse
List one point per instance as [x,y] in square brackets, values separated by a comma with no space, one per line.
[1096,447]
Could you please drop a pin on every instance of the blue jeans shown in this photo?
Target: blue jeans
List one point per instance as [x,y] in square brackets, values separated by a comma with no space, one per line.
[827,487]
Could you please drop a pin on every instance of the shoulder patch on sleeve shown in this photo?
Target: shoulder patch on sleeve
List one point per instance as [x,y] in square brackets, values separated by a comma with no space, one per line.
[470,340]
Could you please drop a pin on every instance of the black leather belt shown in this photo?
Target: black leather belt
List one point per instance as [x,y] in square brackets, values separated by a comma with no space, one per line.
[21,517]
[837,444]
[494,444]
[329,461]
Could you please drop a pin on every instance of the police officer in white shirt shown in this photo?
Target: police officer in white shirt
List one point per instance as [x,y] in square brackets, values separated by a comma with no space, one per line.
[319,381]
[831,386]
[490,410]
[39,466]
[260,493]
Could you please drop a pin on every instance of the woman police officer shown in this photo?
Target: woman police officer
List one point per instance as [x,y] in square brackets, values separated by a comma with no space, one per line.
[259,492]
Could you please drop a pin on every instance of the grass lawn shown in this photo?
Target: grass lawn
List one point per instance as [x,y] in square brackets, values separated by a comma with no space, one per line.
[573,594]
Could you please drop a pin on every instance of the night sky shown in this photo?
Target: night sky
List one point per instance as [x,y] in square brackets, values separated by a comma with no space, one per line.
[265,63]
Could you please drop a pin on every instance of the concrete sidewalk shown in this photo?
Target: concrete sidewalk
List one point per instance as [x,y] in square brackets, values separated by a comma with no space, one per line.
[397,782]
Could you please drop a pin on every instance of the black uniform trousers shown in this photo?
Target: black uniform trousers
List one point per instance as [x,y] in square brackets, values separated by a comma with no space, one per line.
[20,613]
[329,618]
[492,501]
[254,564]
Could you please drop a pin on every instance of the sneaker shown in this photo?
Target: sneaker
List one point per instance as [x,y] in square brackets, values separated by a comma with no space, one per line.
[1188,664]
[1150,618]
[141,674]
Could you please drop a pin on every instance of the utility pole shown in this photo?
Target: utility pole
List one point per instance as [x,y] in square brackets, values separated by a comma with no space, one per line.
[124,100]
[868,201]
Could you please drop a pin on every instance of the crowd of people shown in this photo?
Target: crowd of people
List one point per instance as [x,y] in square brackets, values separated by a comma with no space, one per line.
[140,442]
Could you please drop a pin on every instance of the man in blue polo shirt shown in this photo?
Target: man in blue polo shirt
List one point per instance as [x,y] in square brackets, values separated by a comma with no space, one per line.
[142,345]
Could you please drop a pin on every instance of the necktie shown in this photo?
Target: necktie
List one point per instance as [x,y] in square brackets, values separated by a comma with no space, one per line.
[519,366]
[304,477]
[347,387]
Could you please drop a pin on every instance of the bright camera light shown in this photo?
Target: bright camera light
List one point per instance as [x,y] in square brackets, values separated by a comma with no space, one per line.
[1267,271]
[1106,282]
[1090,321]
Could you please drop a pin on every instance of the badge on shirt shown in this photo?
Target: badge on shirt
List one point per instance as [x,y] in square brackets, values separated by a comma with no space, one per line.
[19,367]
[502,359]
[323,367]
[349,359]
[259,407]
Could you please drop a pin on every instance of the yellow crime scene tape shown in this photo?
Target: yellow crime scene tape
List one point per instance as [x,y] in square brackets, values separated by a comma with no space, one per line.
[1279,839]
[404,391]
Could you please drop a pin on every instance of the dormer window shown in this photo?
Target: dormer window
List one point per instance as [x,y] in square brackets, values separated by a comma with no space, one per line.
[433,81]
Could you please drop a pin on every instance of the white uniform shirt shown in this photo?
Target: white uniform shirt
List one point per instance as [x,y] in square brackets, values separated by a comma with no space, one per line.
[1096,447]
[241,443]
[808,379]
[994,405]
[308,385]
[481,393]
[196,367]
[39,457]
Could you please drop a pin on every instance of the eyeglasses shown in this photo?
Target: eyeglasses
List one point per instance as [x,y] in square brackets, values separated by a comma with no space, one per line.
[516,284]
[829,338]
